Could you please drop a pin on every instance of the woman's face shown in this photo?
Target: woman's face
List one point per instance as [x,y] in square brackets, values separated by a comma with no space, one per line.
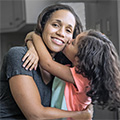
[58,30]
[71,48]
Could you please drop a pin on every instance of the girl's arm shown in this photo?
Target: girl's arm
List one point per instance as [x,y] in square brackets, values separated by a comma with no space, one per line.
[47,63]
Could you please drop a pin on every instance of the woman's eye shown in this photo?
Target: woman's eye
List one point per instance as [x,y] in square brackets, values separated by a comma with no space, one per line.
[55,25]
[69,31]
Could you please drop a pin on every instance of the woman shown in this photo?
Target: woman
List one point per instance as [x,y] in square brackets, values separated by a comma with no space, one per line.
[26,94]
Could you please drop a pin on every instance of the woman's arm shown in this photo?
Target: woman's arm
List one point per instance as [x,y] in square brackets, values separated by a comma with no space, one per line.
[48,63]
[27,97]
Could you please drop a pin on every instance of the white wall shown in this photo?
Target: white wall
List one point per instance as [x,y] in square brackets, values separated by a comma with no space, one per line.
[79,9]
[34,8]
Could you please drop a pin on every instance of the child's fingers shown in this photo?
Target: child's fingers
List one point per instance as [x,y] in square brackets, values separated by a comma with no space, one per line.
[25,56]
[27,60]
[34,66]
[29,64]
[30,60]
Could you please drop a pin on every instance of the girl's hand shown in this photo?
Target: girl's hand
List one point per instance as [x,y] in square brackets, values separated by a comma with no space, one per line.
[29,36]
[30,59]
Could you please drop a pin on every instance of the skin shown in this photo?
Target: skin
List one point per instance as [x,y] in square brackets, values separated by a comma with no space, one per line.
[26,94]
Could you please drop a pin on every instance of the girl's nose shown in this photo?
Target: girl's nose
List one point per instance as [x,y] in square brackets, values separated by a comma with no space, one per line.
[70,41]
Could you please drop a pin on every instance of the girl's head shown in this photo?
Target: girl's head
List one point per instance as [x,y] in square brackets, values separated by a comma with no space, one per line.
[96,58]
[57,24]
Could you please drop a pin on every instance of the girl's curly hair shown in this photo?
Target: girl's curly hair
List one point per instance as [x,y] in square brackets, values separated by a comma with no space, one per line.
[99,62]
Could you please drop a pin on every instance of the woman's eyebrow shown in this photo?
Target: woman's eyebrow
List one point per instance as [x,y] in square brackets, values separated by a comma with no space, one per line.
[58,21]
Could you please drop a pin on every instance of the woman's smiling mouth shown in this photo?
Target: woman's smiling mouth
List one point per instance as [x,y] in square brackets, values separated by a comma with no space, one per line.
[57,41]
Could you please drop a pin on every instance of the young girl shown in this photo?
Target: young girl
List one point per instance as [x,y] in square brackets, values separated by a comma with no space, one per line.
[95,74]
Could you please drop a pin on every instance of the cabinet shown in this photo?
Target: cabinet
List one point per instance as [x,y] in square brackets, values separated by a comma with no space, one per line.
[12,15]
[20,14]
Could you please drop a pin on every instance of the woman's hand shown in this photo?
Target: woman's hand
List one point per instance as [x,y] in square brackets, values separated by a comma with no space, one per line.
[85,115]
[30,59]
[90,109]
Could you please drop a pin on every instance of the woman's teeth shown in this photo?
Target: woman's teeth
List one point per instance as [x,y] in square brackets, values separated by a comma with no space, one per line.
[57,41]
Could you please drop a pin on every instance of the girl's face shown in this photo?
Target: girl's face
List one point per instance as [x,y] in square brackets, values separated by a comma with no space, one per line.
[58,30]
[71,48]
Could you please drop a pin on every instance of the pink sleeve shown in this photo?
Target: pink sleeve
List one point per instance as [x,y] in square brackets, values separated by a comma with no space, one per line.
[80,81]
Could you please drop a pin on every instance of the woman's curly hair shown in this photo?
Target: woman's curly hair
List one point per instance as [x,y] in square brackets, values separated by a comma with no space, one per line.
[99,62]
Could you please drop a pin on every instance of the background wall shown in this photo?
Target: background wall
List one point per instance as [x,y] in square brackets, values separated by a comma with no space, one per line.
[118,6]
[33,9]
[79,8]
[104,14]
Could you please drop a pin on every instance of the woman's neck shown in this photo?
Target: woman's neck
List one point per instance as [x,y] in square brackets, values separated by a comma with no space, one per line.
[52,53]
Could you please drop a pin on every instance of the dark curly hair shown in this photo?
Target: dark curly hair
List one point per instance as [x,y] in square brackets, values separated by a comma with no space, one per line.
[99,62]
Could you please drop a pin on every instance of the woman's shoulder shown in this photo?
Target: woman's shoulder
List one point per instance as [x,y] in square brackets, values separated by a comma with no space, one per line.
[17,49]
[16,52]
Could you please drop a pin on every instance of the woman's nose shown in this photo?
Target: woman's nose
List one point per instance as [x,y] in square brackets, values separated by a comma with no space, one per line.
[61,32]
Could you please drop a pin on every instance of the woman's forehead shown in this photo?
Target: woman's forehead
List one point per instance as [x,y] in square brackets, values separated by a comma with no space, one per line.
[64,16]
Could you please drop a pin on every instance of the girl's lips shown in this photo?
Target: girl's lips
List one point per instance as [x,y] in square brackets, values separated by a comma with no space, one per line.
[57,41]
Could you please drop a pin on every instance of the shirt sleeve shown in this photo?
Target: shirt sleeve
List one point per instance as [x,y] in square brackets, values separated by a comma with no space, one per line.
[14,62]
[80,81]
